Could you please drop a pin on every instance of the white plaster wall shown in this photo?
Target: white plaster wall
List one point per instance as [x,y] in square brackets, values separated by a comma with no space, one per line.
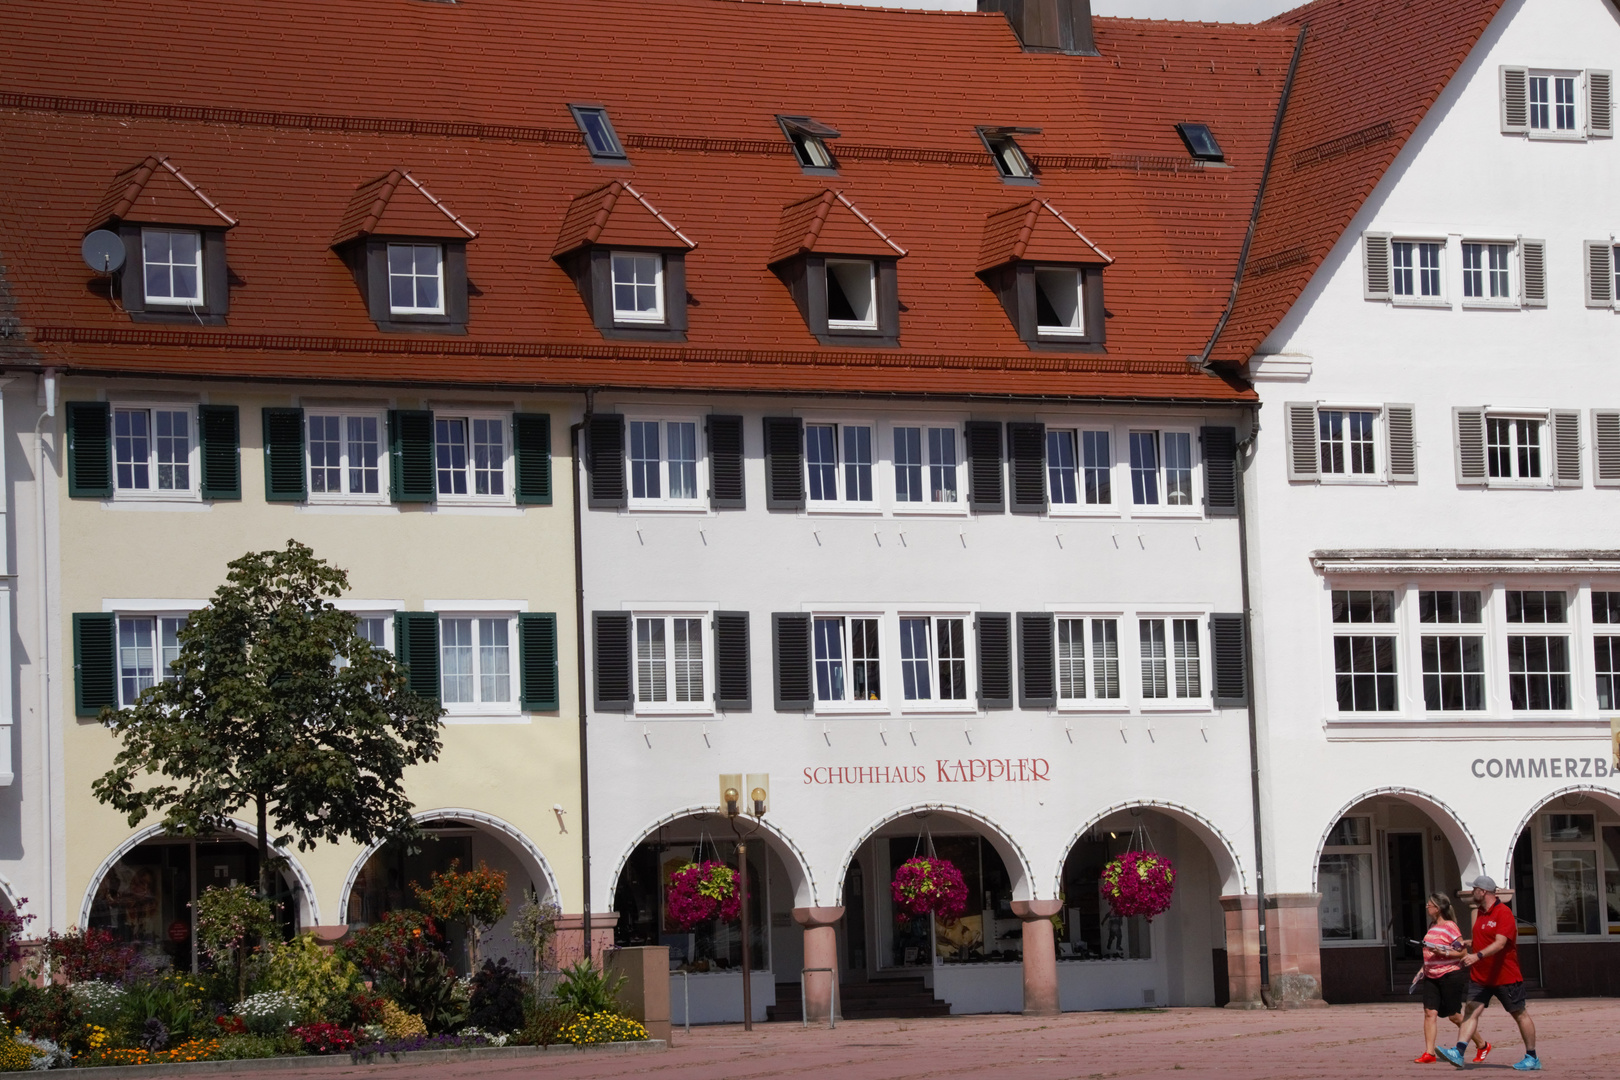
[1458,177]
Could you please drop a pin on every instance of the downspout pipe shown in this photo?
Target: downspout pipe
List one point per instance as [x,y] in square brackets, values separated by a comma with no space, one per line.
[576,435]
[1254,716]
[48,393]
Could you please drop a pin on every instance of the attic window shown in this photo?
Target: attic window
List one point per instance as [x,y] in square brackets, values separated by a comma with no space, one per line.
[1011,161]
[809,139]
[851,294]
[1201,142]
[1059,301]
[600,138]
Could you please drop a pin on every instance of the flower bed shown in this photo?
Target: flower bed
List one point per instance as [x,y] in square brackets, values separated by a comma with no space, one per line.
[603,1028]
[929,886]
[1139,883]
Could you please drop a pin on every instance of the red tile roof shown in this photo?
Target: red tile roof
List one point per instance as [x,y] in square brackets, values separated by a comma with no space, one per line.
[830,224]
[603,217]
[1026,232]
[155,193]
[398,205]
[1369,71]
[282,108]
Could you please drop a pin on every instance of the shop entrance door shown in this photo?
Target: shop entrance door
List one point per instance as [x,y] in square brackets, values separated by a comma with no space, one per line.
[1408,893]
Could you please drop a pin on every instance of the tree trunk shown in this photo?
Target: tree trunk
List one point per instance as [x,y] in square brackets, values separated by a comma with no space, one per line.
[264,849]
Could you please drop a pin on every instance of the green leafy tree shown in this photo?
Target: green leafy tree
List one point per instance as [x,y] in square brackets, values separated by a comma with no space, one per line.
[275,703]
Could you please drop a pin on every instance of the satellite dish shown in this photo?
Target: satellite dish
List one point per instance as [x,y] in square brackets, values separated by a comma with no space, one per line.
[103,251]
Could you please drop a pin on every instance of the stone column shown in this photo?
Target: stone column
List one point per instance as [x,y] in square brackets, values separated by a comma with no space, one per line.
[1242,951]
[1040,956]
[820,951]
[1294,934]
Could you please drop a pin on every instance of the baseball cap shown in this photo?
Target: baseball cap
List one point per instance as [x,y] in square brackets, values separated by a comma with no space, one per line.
[1484,883]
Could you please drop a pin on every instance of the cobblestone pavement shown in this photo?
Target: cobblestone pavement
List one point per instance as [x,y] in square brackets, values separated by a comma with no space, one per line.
[1577,1038]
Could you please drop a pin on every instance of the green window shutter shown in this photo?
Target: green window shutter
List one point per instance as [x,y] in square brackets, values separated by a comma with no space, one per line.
[89,440]
[537,642]
[411,476]
[220,431]
[284,455]
[531,451]
[416,644]
[95,674]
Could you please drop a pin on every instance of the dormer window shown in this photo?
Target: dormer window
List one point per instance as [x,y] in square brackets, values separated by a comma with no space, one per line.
[173,266]
[416,279]
[1011,161]
[600,138]
[638,287]
[1201,142]
[809,140]
[851,294]
[1060,309]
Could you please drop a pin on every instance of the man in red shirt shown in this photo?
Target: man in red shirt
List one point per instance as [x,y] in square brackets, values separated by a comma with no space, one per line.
[1493,964]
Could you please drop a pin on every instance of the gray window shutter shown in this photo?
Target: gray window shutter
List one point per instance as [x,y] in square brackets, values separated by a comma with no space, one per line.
[1037,680]
[994,635]
[790,641]
[605,459]
[732,684]
[727,490]
[1026,454]
[1515,82]
[1220,471]
[1566,433]
[416,646]
[219,448]
[784,463]
[1533,262]
[1600,104]
[531,454]
[1229,644]
[537,646]
[1470,429]
[284,473]
[412,475]
[1400,424]
[95,662]
[984,466]
[1301,438]
[615,687]
[1375,260]
[1599,273]
[89,450]
[1606,447]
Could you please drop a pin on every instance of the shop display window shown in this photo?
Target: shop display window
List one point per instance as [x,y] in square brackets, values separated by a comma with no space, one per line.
[1345,878]
[384,882]
[714,946]
[1090,930]
[988,932]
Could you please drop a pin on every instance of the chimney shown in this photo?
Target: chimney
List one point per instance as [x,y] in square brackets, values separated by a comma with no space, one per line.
[1049,25]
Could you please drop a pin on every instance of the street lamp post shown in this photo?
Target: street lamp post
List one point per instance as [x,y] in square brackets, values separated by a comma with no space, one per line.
[737,818]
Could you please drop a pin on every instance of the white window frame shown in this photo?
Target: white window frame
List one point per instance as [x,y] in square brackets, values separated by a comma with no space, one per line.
[835,325]
[381,496]
[704,706]
[1515,271]
[193,491]
[1416,298]
[1404,648]
[1546,449]
[156,615]
[1125,466]
[508,496]
[1128,689]
[174,301]
[1078,428]
[887,636]
[1078,331]
[1541,845]
[700,497]
[393,309]
[1203,701]
[1578,94]
[1380,473]
[933,703]
[842,500]
[1575,630]
[512,707]
[1488,629]
[655,317]
[891,485]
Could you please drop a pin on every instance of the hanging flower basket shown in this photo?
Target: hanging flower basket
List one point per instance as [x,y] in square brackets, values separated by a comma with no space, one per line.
[1139,883]
[701,892]
[931,886]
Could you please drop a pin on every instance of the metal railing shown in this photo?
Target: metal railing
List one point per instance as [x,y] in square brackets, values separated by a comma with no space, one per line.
[686,999]
[804,997]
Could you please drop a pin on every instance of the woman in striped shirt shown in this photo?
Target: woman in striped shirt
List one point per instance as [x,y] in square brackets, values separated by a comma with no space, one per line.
[1444,982]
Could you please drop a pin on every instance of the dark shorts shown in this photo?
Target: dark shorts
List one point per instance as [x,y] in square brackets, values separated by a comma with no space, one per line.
[1446,994]
[1510,995]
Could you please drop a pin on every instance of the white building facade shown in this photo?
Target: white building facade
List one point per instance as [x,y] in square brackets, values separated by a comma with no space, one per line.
[1431,511]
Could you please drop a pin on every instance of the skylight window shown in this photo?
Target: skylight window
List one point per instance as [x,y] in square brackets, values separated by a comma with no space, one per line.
[809,138]
[600,138]
[1201,142]
[1011,161]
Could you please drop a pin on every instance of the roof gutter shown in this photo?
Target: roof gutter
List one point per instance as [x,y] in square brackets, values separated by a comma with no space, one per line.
[1259,196]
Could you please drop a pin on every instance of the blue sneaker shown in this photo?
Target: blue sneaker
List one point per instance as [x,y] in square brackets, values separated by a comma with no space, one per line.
[1529,1063]
[1451,1055]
